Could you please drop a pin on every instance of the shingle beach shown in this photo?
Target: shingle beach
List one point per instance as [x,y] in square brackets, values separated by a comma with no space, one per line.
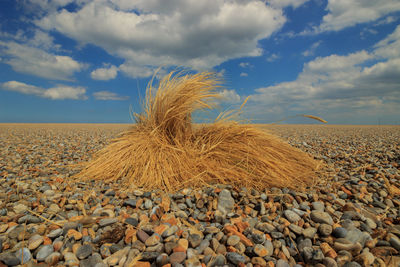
[351,218]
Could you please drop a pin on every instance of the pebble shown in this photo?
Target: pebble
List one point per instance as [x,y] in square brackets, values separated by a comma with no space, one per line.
[107,221]
[9,259]
[233,240]
[225,202]
[23,254]
[339,232]
[321,217]
[44,252]
[53,258]
[35,241]
[84,251]
[282,263]
[260,250]
[132,221]
[309,232]
[291,216]
[70,259]
[177,257]
[318,205]
[395,242]
[235,258]
[325,229]
[20,208]
[55,233]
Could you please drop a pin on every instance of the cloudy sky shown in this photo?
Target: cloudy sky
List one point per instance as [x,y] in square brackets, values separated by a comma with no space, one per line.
[90,61]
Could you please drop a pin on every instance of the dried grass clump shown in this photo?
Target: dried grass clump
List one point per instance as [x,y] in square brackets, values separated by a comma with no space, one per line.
[165,150]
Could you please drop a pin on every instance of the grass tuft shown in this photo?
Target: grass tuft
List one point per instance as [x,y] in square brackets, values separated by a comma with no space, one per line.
[164,150]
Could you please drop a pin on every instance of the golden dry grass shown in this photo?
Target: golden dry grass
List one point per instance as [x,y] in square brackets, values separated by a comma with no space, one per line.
[163,150]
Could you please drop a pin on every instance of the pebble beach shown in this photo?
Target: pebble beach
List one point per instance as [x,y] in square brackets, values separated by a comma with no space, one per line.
[351,217]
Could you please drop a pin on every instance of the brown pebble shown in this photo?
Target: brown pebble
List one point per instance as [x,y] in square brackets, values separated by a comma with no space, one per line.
[75,234]
[177,257]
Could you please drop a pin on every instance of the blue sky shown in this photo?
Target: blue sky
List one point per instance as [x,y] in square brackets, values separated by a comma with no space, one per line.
[90,61]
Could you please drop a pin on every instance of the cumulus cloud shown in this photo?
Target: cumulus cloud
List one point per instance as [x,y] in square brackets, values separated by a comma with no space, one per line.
[357,82]
[55,93]
[40,7]
[35,61]
[104,74]
[190,33]
[390,46]
[230,96]
[343,14]
[286,3]
[106,95]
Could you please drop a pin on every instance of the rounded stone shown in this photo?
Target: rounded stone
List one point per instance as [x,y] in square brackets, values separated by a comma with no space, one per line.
[24,255]
[232,240]
[177,257]
[325,229]
[35,241]
[291,216]
[84,251]
[321,217]
[339,232]
[235,258]
[260,250]
[44,252]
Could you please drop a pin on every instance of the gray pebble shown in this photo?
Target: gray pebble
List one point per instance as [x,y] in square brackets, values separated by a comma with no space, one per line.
[339,232]
[325,229]
[55,233]
[23,254]
[395,242]
[291,216]
[282,263]
[235,258]
[9,259]
[318,205]
[321,217]
[309,232]
[107,221]
[43,252]
[84,251]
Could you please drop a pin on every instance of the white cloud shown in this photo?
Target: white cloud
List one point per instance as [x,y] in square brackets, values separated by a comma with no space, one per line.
[135,71]
[245,65]
[286,3]
[311,51]
[31,60]
[343,13]
[104,74]
[43,40]
[230,96]
[106,95]
[243,74]
[353,84]
[387,20]
[221,73]
[55,93]
[390,46]
[65,92]
[22,88]
[273,57]
[39,7]
[189,33]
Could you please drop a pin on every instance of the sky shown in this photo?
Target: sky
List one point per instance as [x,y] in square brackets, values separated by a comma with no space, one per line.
[81,61]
